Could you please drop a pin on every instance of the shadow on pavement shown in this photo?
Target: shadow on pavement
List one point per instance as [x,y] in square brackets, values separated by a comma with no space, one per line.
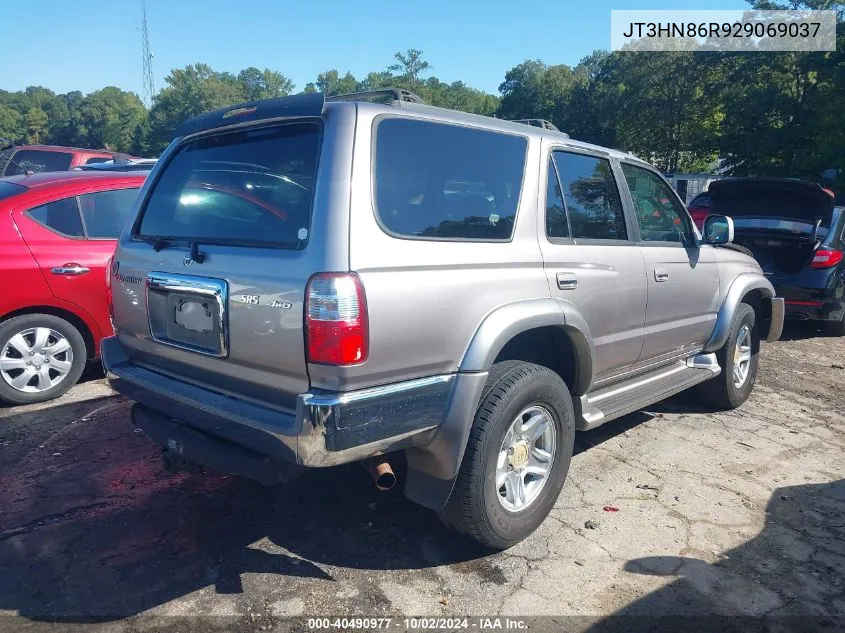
[801,330]
[92,527]
[792,574]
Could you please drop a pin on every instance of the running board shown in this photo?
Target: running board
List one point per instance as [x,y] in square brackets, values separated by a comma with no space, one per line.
[613,401]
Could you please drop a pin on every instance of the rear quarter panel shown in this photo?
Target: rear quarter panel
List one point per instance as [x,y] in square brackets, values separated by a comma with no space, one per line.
[22,285]
[427,298]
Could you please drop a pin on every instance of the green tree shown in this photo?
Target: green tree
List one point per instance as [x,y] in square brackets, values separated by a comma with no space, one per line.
[36,125]
[190,91]
[331,83]
[410,65]
[264,84]
[110,118]
[11,125]
[666,108]
[533,90]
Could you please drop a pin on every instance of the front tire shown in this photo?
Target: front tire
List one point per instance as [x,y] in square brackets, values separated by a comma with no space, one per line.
[41,357]
[738,358]
[517,456]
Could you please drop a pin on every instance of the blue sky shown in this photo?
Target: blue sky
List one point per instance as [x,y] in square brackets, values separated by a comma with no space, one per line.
[96,43]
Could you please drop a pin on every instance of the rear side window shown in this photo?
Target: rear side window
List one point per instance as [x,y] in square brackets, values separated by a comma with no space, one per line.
[60,216]
[97,159]
[35,160]
[591,196]
[439,181]
[104,212]
[252,187]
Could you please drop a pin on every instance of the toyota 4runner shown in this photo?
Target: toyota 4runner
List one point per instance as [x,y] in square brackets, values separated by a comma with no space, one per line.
[312,280]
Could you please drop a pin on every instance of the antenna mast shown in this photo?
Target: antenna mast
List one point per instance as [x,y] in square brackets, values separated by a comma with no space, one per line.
[146,58]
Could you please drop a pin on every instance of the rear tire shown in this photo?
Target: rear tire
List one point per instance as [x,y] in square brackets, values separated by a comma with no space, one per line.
[731,388]
[520,401]
[41,357]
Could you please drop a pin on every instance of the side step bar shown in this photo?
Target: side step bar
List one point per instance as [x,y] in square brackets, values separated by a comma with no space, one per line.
[619,399]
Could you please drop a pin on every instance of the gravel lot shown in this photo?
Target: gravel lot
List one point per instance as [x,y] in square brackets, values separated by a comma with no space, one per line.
[718,513]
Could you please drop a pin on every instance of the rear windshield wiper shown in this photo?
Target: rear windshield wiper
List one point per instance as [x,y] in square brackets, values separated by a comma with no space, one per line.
[158,241]
[196,255]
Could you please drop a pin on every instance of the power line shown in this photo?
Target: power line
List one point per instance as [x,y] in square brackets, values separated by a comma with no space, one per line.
[147,58]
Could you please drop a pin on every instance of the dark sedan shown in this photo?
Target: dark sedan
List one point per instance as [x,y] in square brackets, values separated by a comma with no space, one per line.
[796,234]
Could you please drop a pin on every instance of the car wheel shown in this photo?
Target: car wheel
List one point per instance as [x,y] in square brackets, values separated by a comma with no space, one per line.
[517,456]
[738,359]
[41,357]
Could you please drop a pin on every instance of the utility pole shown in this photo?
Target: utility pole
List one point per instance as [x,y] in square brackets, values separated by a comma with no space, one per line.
[147,58]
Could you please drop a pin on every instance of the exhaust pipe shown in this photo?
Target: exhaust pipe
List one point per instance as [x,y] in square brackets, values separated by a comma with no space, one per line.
[381,472]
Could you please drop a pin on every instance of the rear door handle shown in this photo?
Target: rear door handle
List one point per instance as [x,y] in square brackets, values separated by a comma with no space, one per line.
[70,270]
[567,281]
[661,274]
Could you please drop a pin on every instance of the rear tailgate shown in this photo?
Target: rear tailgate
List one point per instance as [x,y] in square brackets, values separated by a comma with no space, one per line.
[210,286]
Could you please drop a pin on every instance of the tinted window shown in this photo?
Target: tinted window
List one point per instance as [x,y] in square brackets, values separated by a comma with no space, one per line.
[97,159]
[556,224]
[249,187]
[444,181]
[104,212]
[660,215]
[592,199]
[61,216]
[35,160]
[701,201]
[9,189]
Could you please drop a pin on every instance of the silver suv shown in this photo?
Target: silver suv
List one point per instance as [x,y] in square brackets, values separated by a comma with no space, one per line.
[310,281]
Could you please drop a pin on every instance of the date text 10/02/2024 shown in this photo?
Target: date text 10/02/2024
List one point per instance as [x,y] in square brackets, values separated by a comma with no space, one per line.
[418,624]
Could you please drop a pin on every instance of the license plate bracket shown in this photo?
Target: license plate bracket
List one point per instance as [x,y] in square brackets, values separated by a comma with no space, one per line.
[188,312]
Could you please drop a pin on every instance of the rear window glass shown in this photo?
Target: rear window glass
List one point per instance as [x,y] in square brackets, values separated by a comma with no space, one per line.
[252,187]
[438,181]
[35,160]
[702,200]
[104,212]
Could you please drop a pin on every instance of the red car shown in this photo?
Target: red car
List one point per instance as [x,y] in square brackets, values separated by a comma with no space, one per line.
[23,159]
[699,209]
[58,231]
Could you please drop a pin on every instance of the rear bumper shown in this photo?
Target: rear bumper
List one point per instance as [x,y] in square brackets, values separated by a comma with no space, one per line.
[325,429]
[814,310]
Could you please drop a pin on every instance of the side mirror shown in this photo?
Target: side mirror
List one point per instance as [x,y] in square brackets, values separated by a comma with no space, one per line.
[718,229]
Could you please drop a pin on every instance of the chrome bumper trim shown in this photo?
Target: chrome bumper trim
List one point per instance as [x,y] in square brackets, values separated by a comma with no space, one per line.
[326,429]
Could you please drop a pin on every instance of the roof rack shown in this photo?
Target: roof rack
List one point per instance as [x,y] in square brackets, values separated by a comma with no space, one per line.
[543,123]
[397,94]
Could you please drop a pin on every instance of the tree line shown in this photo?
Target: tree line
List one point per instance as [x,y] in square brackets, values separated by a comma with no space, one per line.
[764,114]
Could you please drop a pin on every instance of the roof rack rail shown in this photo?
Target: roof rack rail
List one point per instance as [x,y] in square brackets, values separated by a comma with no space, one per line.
[398,94]
[543,123]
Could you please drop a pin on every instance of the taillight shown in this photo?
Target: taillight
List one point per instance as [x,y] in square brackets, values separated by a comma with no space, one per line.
[824,258]
[336,319]
[109,273]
